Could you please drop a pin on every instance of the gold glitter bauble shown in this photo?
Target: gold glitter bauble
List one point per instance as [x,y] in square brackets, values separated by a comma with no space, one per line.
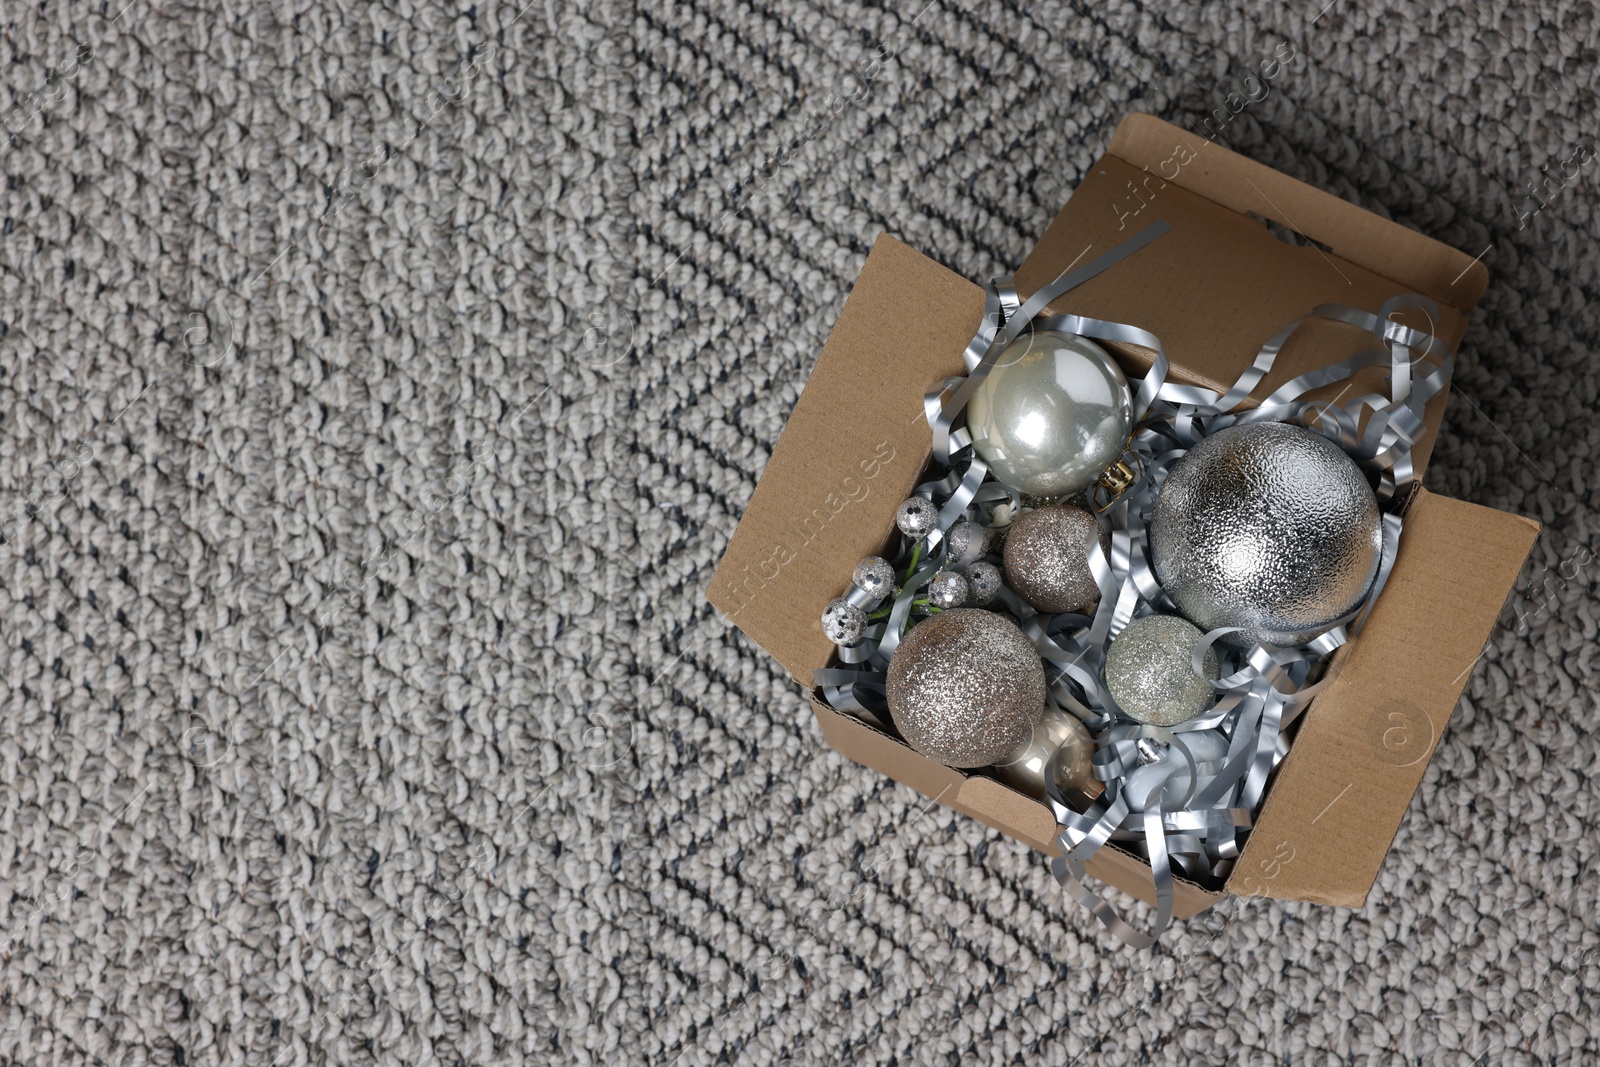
[1047,558]
[966,687]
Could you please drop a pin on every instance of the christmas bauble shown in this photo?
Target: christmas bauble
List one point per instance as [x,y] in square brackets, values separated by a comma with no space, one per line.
[1060,745]
[843,622]
[947,590]
[1052,415]
[1150,671]
[983,582]
[1269,527]
[874,577]
[1047,558]
[966,687]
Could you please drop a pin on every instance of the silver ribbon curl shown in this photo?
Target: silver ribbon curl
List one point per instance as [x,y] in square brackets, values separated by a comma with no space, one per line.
[1262,689]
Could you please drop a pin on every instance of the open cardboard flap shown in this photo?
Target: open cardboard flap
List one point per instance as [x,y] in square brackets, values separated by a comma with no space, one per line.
[1213,289]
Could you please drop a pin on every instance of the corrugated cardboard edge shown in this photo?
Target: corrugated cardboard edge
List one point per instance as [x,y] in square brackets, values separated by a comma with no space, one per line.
[995,805]
[904,326]
[1352,233]
[1248,281]
[1365,742]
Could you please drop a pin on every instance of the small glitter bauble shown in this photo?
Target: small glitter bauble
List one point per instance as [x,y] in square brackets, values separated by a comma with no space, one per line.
[874,577]
[983,582]
[1060,744]
[1052,415]
[1269,527]
[959,540]
[947,590]
[843,622]
[1047,558]
[1150,671]
[966,687]
[916,517]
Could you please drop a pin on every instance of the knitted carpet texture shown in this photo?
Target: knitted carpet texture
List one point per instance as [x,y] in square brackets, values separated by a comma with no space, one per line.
[381,383]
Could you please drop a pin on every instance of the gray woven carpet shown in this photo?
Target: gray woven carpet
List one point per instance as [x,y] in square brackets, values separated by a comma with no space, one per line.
[380,385]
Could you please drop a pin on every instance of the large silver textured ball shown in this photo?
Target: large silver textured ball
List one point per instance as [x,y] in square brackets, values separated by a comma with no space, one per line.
[966,687]
[843,622]
[1052,415]
[1060,743]
[1047,558]
[1269,527]
[1150,671]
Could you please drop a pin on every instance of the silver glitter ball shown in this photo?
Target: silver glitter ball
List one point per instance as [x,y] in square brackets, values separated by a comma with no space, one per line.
[959,540]
[1052,415]
[874,577]
[916,517]
[1269,527]
[843,622]
[966,687]
[1060,743]
[1150,671]
[1047,558]
[947,590]
[983,582]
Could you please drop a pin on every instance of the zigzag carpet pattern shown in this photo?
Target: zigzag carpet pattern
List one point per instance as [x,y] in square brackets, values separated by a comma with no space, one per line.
[381,384]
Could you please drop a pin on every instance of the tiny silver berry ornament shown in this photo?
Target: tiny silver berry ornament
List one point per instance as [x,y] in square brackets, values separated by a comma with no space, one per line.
[960,540]
[983,582]
[874,577]
[916,517]
[844,623]
[947,590]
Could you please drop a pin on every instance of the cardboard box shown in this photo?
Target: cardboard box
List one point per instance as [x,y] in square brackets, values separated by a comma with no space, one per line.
[1214,289]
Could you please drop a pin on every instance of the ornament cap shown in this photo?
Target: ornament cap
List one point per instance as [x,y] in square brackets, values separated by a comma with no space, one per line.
[1121,476]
